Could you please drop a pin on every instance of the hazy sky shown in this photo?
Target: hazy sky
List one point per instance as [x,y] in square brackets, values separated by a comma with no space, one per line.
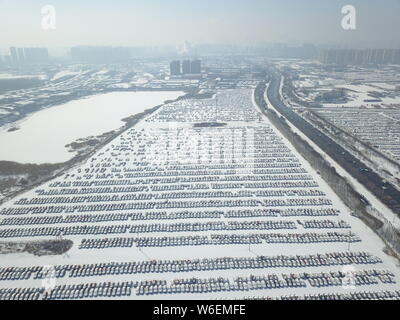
[163,22]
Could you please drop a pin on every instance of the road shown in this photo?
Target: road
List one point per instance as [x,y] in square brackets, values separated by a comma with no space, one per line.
[365,175]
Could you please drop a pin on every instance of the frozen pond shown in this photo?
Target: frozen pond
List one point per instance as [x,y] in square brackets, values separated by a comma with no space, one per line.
[43,136]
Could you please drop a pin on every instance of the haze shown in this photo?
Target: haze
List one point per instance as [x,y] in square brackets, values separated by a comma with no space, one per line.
[160,22]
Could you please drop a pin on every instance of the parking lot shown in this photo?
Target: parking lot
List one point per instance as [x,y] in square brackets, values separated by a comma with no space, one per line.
[379,128]
[171,209]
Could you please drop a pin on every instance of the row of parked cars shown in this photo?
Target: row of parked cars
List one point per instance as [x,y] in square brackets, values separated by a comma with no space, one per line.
[187,265]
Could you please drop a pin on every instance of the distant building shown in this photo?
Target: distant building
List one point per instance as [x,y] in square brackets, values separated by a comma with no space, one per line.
[175,68]
[92,54]
[121,54]
[101,54]
[36,55]
[7,60]
[195,67]
[21,55]
[186,66]
[360,57]
[305,51]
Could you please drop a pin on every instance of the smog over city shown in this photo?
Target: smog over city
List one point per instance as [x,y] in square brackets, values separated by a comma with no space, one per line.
[175,153]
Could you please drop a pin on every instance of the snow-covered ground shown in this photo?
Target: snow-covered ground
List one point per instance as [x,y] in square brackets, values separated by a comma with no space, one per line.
[8,76]
[237,192]
[364,86]
[43,136]
[64,73]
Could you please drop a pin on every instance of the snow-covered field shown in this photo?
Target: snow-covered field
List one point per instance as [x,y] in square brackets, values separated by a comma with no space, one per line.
[64,73]
[360,95]
[43,136]
[363,86]
[171,210]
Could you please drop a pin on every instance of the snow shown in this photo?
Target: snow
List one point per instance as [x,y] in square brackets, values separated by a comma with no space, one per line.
[43,136]
[7,76]
[121,85]
[160,140]
[358,95]
[385,86]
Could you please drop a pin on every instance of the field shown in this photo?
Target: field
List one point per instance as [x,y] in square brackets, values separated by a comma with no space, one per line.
[311,84]
[43,136]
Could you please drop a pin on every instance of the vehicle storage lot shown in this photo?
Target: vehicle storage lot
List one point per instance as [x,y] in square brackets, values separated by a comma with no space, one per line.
[169,210]
[380,128]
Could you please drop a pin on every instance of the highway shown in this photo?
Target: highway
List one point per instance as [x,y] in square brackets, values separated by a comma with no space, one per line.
[365,175]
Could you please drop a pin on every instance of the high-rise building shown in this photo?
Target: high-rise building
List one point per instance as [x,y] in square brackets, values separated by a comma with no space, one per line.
[195,66]
[121,54]
[360,57]
[175,68]
[92,54]
[7,60]
[186,67]
[21,55]
[101,54]
[36,55]
[396,56]
[14,55]
[28,55]
[389,56]
[379,56]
